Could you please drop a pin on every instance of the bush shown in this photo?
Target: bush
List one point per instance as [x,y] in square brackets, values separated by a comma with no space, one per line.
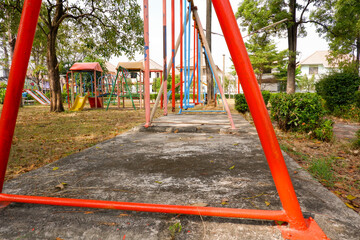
[338,88]
[266,95]
[241,104]
[301,112]
[351,112]
[325,131]
[2,95]
[357,99]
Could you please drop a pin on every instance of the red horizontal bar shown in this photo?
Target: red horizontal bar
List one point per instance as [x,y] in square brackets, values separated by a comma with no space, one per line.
[145,207]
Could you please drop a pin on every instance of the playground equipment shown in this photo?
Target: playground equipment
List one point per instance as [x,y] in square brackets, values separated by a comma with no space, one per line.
[80,86]
[299,227]
[38,96]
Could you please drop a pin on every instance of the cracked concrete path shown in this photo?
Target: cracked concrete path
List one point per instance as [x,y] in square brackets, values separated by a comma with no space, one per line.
[182,160]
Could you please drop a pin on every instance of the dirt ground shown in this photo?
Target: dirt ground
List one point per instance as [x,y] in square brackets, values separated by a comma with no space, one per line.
[344,165]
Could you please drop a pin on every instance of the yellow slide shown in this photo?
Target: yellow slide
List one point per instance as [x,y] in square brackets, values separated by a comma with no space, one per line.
[79,103]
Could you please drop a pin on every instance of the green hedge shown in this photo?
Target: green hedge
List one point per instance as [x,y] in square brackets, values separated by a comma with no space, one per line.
[241,104]
[357,99]
[338,89]
[301,112]
[2,95]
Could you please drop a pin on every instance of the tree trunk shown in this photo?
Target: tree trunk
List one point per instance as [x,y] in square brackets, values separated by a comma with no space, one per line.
[358,53]
[292,42]
[209,79]
[6,67]
[53,73]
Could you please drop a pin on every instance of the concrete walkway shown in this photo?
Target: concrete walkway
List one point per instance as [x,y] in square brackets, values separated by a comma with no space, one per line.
[185,164]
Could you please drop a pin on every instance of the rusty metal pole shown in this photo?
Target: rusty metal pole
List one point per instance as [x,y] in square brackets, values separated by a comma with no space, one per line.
[165,58]
[213,66]
[25,38]
[147,64]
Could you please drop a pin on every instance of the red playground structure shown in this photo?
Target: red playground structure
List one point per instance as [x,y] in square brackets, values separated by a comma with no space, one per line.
[298,228]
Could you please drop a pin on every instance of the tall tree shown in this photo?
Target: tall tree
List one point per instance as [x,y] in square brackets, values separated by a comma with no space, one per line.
[111,27]
[209,79]
[263,55]
[339,21]
[256,14]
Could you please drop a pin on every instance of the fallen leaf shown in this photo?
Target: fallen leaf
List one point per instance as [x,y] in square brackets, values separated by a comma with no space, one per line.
[211,137]
[108,223]
[176,131]
[267,203]
[60,186]
[158,182]
[350,206]
[55,168]
[88,212]
[59,238]
[350,197]
[295,172]
[232,167]
[123,215]
[235,144]
[337,192]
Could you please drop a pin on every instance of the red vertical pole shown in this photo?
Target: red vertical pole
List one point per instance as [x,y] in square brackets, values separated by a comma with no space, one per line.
[194,72]
[165,58]
[162,95]
[173,53]
[25,38]
[181,54]
[147,64]
[259,113]
[197,69]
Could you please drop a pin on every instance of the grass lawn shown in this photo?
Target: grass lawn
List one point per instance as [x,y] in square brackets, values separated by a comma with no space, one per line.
[42,137]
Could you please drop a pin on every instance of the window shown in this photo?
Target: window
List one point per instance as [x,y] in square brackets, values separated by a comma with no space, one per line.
[313,70]
[158,75]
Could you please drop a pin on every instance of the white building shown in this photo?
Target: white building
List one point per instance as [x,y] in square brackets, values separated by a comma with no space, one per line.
[317,64]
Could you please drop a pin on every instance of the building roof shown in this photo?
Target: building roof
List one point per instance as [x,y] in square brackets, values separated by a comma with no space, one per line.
[88,66]
[318,58]
[139,65]
[110,67]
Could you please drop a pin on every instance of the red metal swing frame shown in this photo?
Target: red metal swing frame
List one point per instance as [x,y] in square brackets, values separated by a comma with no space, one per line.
[299,227]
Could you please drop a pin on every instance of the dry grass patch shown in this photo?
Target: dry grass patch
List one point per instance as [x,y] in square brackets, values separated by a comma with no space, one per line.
[42,137]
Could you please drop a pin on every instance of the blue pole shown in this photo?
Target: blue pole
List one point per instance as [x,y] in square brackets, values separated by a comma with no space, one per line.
[199,67]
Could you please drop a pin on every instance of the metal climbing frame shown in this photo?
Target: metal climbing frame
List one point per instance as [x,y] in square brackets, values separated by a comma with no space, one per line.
[299,228]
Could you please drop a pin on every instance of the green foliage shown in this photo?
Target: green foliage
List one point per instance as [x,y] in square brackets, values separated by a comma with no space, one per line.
[156,84]
[357,99]
[241,104]
[301,112]
[2,95]
[321,169]
[263,55]
[325,131]
[340,23]
[356,142]
[307,84]
[350,112]
[174,229]
[338,88]
[266,96]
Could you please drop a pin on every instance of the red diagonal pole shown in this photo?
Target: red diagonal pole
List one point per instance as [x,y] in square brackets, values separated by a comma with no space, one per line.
[20,61]
[259,113]
[147,64]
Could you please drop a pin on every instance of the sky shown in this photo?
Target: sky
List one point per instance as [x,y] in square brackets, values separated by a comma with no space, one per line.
[306,46]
